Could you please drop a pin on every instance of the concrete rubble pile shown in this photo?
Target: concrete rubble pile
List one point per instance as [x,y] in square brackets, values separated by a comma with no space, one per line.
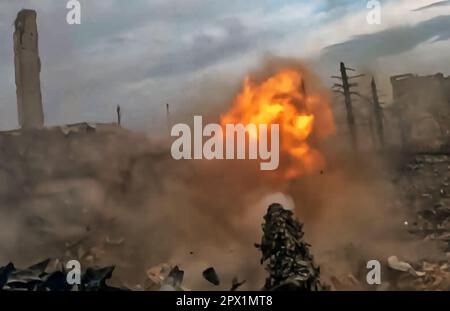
[427,185]
[426,182]
[50,276]
[420,276]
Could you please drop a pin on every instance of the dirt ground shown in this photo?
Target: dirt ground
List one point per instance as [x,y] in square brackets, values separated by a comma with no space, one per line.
[114,198]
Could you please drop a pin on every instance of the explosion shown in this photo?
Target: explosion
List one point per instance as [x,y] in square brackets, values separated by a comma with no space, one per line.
[304,119]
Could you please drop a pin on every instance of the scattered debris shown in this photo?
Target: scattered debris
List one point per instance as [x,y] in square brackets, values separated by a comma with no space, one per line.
[156,275]
[211,276]
[435,276]
[177,275]
[236,284]
[396,264]
[164,277]
[173,281]
[115,242]
[77,128]
[35,278]
[95,279]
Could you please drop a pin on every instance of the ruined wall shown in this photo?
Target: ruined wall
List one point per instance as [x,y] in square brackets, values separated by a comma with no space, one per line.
[28,68]
[423,105]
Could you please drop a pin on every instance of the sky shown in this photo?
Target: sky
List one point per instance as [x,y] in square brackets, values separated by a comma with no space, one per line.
[142,54]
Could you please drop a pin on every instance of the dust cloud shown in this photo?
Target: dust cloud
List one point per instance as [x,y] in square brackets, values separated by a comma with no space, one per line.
[117,198]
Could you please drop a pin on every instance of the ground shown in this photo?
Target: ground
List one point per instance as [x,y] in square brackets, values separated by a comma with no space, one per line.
[115,198]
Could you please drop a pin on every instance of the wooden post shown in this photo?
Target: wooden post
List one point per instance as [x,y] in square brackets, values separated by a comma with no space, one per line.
[168,116]
[119,116]
[348,105]
[377,113]
[27,70]
[301,104]
[303,88]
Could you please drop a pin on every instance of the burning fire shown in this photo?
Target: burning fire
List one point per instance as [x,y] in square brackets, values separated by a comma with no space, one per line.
[304,119]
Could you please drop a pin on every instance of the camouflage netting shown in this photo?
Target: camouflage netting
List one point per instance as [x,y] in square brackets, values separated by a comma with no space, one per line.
[286,254]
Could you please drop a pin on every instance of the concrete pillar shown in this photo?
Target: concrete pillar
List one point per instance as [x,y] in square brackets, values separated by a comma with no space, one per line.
[28,67]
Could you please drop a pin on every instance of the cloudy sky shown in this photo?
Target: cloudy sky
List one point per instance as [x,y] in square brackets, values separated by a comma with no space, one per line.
[143,53]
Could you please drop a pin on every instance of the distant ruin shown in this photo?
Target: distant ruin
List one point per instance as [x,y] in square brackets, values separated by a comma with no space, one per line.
[421,99]
[28,85]
[28,67]
[416,89]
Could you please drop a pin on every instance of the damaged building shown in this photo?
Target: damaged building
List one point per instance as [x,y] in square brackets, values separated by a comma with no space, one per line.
[422,106]
[27,65]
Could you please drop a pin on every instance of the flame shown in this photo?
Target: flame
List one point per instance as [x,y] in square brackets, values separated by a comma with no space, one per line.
[303,118]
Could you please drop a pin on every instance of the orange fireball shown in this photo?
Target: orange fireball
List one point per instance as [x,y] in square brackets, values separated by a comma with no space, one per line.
[303,118]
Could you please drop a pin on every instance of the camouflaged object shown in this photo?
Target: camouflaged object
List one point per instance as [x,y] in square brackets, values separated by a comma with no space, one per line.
[286,255]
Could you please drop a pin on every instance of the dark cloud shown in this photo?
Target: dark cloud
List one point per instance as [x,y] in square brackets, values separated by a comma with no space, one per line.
[125,50]
[333,4]
[337,8]
[206,50]
[433,5]
[369,47]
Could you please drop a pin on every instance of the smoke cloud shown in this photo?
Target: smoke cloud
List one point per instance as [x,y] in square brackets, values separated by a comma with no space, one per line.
[117,198]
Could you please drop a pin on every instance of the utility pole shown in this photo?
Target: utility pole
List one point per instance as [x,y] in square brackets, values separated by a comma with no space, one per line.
[119,116]
[345,89]
[378,113]
[348,105]
[303,88]
[168,116]
[301,104]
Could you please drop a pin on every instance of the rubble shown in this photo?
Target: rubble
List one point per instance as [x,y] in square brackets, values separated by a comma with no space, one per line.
[156,275]
[286,254]
[395,264]
[434,276]
[211,276]
[36,278]
[175,277]
[427,190]
[236,284]
[164,277]
[424,185]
